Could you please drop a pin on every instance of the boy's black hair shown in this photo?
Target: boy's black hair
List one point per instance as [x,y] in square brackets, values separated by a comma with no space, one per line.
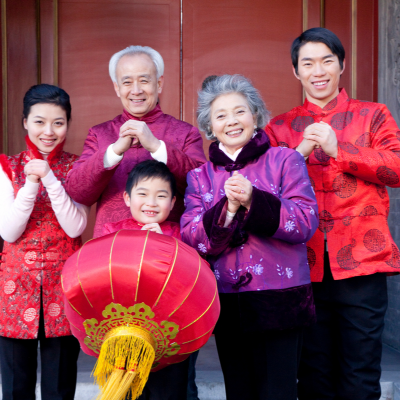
[46,94]
[317,35]
[147,170]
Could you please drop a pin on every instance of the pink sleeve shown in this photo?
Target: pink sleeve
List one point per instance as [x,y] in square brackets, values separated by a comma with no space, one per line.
[180,162]
[88,178]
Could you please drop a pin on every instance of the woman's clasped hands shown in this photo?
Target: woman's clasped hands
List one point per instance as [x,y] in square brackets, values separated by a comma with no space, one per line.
[36,170]
[239,191]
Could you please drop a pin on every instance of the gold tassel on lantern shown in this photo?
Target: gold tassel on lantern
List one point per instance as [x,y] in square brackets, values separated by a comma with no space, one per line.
[126,357]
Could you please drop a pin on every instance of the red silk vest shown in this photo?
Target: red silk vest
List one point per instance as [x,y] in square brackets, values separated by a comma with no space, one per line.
[35,260]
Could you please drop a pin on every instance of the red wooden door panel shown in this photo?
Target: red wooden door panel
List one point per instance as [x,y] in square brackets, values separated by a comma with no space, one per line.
[21,73]
[233,37]
[90,33]
[70,42]
[229,37]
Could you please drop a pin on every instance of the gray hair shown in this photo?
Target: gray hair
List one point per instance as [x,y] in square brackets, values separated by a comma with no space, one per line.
[226,84]
[133,50]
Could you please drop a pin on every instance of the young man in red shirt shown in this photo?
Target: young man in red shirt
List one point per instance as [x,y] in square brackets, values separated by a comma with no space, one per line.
[352,150]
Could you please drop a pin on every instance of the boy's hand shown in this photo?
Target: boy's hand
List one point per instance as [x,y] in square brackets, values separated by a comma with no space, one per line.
[154,227]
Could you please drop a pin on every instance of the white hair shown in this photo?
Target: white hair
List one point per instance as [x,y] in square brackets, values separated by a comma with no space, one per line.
[132,50]
[225,84]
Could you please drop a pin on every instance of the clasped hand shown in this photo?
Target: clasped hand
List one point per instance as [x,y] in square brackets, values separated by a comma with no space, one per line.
[153,227]
[239,191]
[132,132]
[319,135]
[36,170]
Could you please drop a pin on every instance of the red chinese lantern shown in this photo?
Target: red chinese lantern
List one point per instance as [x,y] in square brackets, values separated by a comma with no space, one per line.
[138,301]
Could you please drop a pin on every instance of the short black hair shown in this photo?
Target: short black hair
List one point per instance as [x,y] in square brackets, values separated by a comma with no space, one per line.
[46,94]
[147,170]
[317,35]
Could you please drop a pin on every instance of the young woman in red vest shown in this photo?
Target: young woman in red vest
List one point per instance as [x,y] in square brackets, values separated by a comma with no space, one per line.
[41,228]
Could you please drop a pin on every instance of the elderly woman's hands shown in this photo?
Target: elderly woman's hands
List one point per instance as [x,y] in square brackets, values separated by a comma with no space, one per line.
[239,191]
[132,132]
[36,169]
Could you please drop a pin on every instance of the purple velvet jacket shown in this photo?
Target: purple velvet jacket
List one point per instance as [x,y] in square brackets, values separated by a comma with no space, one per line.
[89,182]
[264,250]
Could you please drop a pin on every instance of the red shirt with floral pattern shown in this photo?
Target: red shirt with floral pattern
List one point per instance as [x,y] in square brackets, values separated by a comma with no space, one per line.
[352,198]
[34,261]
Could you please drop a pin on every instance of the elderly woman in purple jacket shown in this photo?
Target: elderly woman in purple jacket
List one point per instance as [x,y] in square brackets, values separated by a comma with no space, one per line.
[250,211]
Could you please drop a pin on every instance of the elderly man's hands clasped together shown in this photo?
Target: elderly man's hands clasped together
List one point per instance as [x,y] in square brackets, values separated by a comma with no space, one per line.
[132,132]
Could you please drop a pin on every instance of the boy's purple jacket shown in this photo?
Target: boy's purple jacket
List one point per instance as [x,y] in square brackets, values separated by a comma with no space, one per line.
[263,249]
[89,182]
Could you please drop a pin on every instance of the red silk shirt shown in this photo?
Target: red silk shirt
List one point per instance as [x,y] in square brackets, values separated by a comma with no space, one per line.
[36,258]
[169,228]
[352,198]
[90,182]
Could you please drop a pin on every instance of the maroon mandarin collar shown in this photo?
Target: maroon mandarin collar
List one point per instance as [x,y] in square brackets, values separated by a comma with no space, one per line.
[151,116]
[52,158]
[256,147]
[313,109]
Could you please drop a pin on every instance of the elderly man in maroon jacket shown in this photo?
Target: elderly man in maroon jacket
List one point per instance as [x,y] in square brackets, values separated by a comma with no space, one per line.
[141,132]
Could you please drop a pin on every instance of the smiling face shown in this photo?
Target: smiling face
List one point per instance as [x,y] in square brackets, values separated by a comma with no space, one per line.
[319,72]
[137,85]
[232,121]
[150,201]
[46,125]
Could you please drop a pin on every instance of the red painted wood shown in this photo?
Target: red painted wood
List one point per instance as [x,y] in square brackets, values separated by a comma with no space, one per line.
[365,50]
[47,41]
[376,49]
[314,13]
[338,20]
[90,33]
[224,36]
[228,37]
[22,66]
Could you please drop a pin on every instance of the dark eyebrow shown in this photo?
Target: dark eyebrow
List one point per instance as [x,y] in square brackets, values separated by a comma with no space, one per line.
[38,116]
[311,59]
[160,190]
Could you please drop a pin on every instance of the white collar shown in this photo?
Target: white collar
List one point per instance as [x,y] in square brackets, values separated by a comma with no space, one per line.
[233,156]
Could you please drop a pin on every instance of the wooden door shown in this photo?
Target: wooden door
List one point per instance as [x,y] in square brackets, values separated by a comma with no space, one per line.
[229,36]
[90,33]
[70,42]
